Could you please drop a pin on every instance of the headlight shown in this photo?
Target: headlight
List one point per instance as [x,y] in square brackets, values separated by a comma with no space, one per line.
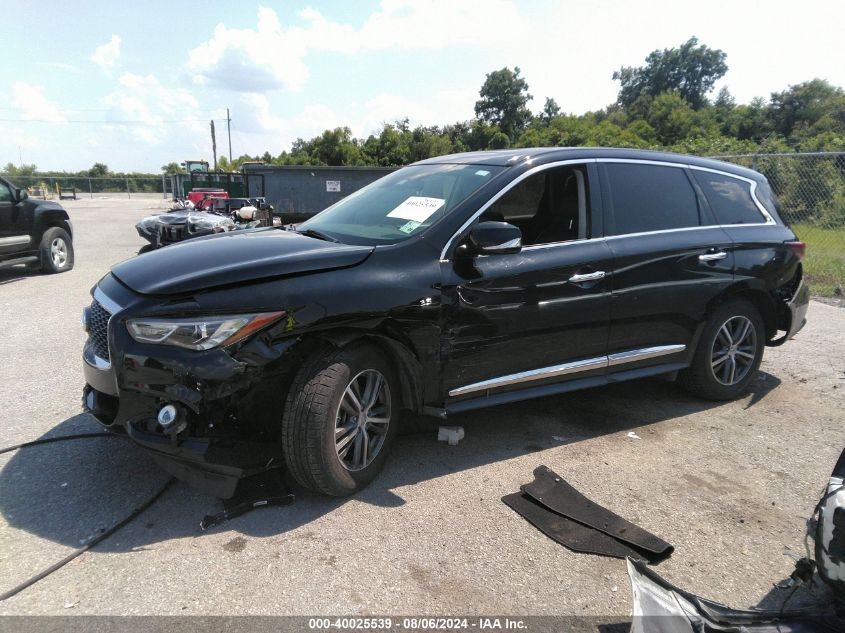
[199,333]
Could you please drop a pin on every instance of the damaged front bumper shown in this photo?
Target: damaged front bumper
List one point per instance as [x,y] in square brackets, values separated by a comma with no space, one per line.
[226,400]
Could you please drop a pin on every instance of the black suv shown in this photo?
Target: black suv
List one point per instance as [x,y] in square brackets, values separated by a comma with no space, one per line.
[458,282]
[37,233]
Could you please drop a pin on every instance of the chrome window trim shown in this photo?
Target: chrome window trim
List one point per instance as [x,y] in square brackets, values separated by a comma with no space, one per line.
[504,190]
[599,362]
[768,219]
[753,186]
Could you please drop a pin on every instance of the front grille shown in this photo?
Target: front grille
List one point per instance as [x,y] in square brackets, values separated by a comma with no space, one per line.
[98,329]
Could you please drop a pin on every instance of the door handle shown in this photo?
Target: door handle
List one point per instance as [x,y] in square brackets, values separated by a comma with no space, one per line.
[577,279]
[712,257]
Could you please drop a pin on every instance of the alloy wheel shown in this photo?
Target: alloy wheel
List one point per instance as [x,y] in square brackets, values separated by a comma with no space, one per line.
[58,252]
[734,350]
[362,420]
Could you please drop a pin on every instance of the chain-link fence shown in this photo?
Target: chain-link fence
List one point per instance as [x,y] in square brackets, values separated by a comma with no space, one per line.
[55,187]
[811,190]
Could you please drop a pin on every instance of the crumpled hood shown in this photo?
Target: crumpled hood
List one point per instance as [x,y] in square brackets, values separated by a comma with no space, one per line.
[232,258]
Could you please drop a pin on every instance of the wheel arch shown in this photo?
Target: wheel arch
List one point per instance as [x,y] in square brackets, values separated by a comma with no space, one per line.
[758,297]
[396,347]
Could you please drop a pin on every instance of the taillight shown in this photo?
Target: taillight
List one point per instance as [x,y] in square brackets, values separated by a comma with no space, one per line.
[798,247]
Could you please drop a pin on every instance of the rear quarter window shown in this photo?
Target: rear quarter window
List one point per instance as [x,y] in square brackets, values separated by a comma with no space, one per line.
[650,198]
[729,198]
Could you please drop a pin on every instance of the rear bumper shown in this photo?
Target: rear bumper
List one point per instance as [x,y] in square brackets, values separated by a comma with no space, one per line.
[793,314]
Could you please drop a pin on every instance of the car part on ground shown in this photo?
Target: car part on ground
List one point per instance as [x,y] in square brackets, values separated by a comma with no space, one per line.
[660,607]
[34,233]
[563,514]
[830,532]
[395,269]
[264,490]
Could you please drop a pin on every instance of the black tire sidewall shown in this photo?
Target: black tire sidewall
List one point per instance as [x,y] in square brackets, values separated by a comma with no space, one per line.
[702,368]
[47,264]
[343,366]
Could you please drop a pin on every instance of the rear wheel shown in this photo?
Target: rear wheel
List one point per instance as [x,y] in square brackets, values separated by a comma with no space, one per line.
[56,251]
[340,419]
[729,353]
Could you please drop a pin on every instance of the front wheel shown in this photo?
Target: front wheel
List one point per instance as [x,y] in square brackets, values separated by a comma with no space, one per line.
[728,354]
[340,419]
[56,251]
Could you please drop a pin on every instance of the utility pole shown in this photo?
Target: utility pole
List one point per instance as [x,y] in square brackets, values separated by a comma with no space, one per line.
[229,131]
[214,144]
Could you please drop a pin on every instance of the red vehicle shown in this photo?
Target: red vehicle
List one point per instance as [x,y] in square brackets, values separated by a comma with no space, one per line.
[196,196]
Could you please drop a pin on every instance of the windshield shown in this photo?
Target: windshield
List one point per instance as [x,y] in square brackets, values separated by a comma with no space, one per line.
[400,205]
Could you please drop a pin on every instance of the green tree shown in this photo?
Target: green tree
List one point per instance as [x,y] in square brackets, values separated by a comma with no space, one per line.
[550,110]
[504,98]
[805,103]
[19,170]
[175,168]
[690,69]
[98,170]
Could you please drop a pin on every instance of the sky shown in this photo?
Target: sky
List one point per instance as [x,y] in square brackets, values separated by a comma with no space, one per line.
[134,85]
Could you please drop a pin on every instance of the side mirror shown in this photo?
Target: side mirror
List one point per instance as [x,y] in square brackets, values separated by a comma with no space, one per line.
[493,238]
[22,195]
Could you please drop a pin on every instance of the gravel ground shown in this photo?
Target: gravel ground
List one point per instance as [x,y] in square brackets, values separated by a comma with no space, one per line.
[729,485]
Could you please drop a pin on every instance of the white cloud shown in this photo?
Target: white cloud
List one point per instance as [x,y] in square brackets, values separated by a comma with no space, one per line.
[33,105]
[254,123]
[106,56]
[152,107]
[441,107]
[270,56]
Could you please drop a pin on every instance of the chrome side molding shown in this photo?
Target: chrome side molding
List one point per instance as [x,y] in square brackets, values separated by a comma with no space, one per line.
[589,364]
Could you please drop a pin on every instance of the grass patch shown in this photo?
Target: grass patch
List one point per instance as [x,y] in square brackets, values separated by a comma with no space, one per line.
[824,265]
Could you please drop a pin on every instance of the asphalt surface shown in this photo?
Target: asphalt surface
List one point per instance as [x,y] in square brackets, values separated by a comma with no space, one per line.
[729,485]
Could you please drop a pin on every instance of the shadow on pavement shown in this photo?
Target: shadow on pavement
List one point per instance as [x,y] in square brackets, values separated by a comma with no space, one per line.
[67,492]
[16,273]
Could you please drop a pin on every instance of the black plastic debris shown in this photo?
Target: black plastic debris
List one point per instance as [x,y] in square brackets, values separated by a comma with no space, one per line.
[265,489]
[565,515]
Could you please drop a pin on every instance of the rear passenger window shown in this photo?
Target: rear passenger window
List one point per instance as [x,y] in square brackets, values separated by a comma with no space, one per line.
[650,198]
[729,198]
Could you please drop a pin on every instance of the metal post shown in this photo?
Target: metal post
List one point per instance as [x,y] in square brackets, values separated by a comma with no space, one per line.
[90,189]
[128,194]
[163,188]
[229,131]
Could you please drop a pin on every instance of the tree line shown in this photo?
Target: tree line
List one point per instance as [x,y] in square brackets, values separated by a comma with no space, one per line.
[664,104]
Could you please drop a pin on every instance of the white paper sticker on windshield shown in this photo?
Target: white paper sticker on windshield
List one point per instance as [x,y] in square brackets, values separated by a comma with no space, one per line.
[417,208]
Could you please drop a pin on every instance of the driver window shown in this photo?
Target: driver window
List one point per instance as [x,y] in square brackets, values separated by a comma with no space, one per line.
[548,207]
[5,193]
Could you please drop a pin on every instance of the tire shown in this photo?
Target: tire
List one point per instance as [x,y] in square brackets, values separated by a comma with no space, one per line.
[56,251]
[319,408]
[729,353]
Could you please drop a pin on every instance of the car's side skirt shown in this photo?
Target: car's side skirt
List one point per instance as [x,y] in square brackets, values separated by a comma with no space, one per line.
[578,366]
[562,387]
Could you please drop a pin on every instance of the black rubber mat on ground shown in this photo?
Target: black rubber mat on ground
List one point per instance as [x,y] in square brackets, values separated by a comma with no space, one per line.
[562,513]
